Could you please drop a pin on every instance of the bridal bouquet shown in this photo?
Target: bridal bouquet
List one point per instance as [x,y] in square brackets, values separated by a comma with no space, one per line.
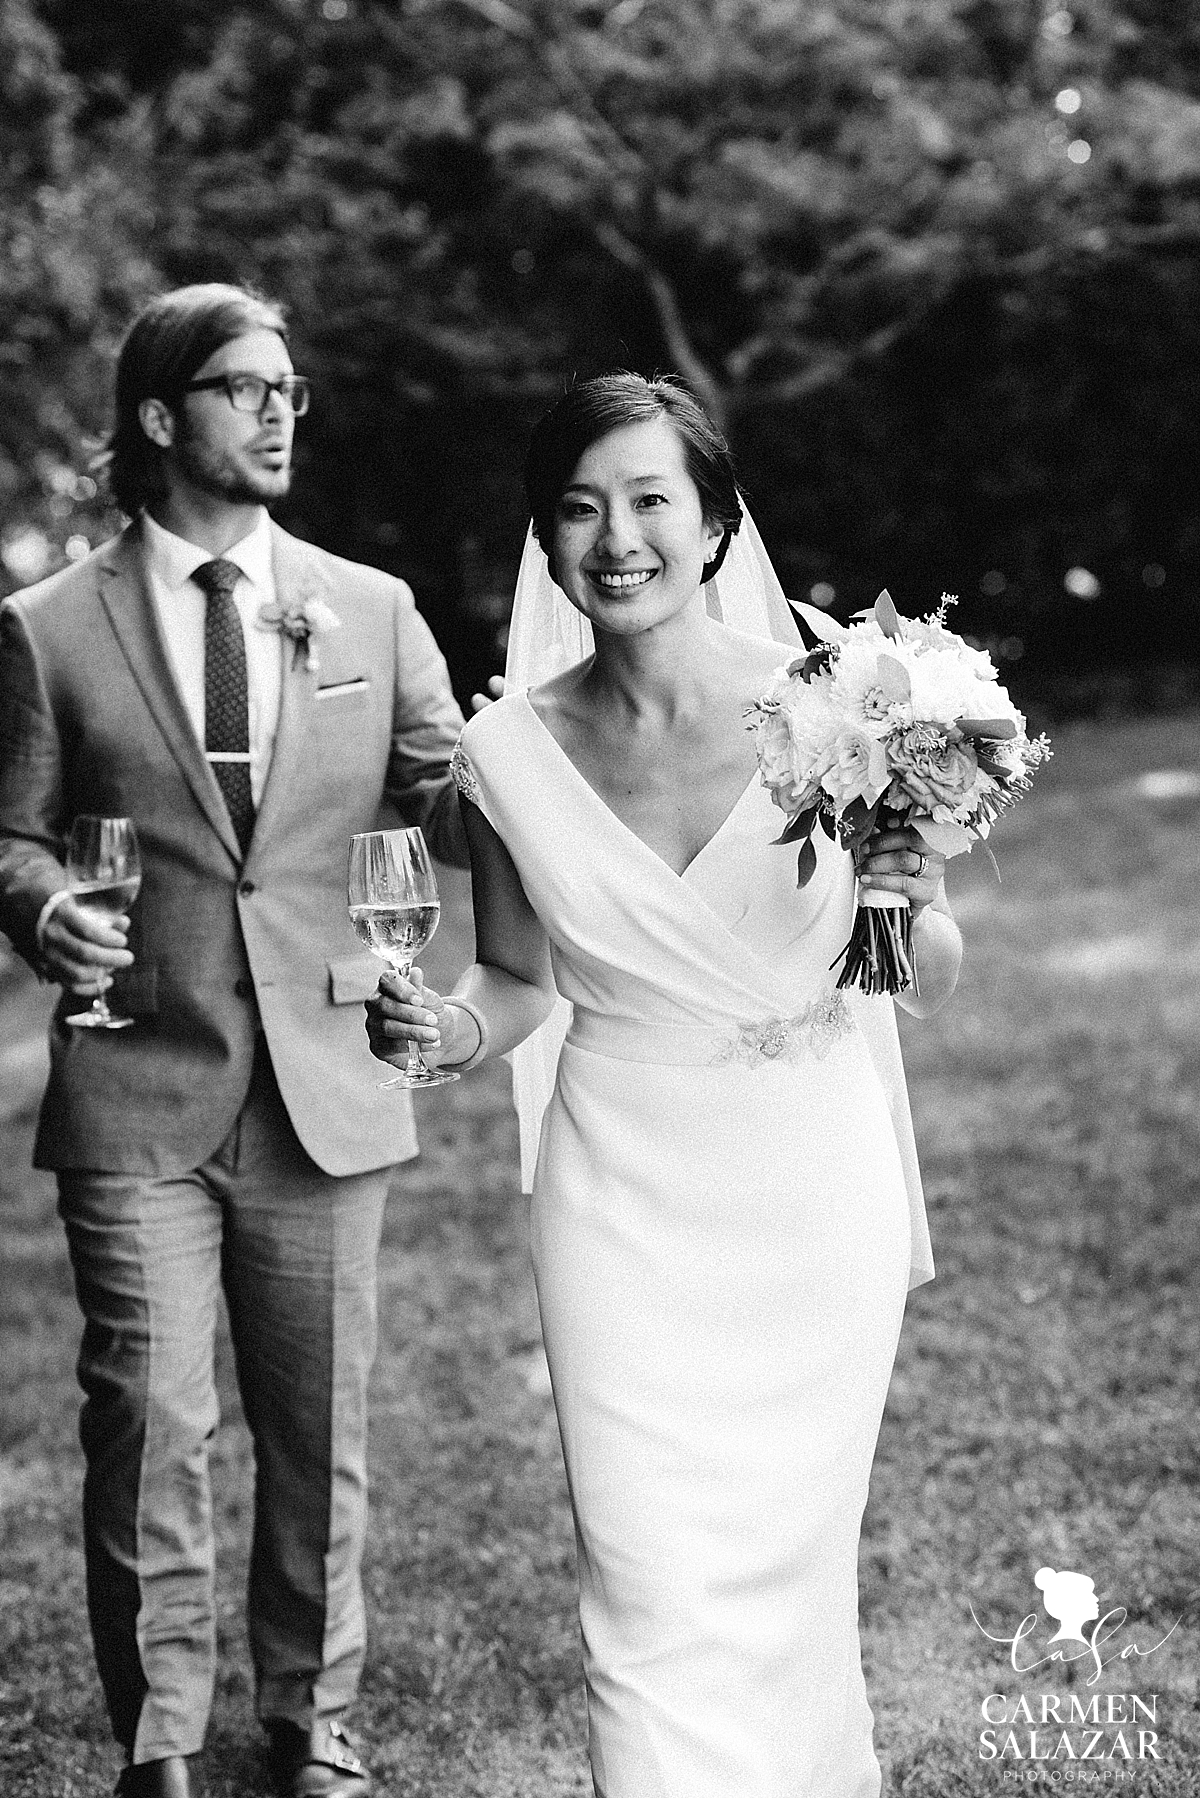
[898,715]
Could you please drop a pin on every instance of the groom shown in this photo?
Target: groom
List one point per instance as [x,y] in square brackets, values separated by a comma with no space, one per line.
[249,701]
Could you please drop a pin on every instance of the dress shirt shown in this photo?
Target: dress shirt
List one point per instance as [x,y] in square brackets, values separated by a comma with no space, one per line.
[170,562]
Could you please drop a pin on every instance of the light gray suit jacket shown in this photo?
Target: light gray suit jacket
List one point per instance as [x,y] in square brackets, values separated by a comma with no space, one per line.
[91,721]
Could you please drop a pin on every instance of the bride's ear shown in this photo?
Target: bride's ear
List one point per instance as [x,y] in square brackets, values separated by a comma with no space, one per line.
[713,565]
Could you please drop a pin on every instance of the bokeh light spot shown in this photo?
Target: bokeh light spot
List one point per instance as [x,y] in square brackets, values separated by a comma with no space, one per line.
[1081,583]
[1079,150]
[26,552]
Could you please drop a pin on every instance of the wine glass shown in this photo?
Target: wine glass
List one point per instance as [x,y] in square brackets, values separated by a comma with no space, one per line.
[105,872]
[392,894]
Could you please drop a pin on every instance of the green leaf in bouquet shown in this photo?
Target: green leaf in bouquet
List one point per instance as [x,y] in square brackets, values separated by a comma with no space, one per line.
[1000,730]
[858,821]
[797,827]
[893,678]
[806,863]
[816,626]
[886,615]
[815,662]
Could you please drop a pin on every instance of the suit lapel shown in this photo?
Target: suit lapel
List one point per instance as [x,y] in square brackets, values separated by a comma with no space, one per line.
[298,577]
[125,596]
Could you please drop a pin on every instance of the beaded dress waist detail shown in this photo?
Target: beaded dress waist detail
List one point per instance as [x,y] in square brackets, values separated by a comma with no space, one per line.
[749,1042]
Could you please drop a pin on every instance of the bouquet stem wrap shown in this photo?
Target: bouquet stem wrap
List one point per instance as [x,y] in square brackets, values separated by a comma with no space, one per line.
[879,957]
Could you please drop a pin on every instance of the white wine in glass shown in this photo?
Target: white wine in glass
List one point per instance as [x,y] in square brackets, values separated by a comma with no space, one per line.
[105,872]
[392,894]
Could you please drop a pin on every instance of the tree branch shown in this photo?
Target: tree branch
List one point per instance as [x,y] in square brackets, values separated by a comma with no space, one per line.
[499,13]
[832,367]
[838,363]
[670,319]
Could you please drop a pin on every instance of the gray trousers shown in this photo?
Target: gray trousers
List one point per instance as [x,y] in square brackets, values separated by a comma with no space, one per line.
[295,1252]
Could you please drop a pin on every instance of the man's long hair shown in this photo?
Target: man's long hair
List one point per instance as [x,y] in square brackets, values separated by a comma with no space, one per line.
[167,342]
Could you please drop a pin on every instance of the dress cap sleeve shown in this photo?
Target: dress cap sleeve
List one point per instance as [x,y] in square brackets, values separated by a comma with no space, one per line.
[464,774]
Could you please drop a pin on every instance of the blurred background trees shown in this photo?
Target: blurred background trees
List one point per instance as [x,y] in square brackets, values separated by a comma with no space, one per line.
[933,262]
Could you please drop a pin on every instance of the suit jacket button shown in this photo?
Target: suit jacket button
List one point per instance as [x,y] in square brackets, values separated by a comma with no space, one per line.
[246,888]
[243,988]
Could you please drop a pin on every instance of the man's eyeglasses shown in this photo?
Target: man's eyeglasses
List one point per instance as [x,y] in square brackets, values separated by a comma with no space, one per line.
[248,393]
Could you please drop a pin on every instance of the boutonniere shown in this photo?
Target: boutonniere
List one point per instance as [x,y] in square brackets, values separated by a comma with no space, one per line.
[300,621]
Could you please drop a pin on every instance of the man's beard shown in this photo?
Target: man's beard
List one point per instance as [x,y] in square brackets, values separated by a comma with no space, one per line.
[214,475]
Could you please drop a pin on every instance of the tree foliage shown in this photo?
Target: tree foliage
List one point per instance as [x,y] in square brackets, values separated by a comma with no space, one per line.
[933,262]
[69,270]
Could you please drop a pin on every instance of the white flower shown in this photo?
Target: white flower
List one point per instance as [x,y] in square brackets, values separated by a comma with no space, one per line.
[299,620]
[873,687]
[853,767]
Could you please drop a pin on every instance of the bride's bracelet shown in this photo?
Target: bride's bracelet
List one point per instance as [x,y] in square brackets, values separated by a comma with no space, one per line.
[477,1054]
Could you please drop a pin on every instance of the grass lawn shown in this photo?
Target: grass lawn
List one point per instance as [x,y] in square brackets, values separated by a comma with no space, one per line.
[1044,1409]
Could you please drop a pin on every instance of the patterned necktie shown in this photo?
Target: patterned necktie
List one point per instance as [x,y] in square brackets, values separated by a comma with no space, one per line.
[226,705]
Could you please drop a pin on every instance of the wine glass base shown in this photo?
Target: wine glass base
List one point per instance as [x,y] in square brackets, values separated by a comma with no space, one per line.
[431,1077]
[90,1020]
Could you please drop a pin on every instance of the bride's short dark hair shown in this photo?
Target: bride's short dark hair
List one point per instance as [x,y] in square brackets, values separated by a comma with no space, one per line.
[591,409]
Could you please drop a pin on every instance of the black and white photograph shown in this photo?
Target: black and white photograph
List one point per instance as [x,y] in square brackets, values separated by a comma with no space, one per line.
[599,898]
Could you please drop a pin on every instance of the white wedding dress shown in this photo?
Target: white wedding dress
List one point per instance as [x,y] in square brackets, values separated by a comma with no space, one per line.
[722,1240]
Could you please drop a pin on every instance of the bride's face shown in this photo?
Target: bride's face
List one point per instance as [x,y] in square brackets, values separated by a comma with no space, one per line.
[630,541]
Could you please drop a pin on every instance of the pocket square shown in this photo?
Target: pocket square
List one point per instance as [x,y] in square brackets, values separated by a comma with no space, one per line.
[338,689]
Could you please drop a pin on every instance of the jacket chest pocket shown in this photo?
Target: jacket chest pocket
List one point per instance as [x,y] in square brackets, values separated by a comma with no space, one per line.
[342,713]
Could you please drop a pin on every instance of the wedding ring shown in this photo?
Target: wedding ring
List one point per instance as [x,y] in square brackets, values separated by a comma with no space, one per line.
[922,860]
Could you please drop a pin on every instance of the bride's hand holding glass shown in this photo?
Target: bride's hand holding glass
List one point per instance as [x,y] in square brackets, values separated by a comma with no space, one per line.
[405,1010]
[392,894]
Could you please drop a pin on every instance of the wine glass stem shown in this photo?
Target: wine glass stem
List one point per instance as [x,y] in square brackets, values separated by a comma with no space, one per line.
[416,1063]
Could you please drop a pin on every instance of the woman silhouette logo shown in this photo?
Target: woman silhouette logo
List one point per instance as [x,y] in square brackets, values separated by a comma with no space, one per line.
[1070,1598]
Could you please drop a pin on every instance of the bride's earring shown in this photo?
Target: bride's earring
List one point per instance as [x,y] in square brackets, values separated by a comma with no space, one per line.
[711,569]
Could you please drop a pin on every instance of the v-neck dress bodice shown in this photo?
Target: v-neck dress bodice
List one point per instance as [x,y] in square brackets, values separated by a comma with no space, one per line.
[729,939]
[722,1243]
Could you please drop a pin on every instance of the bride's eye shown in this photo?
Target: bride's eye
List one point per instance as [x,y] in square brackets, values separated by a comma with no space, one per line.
[574,508]
[653,499]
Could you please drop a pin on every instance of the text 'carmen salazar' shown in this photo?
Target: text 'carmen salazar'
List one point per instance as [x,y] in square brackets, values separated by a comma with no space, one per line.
[1049,1727]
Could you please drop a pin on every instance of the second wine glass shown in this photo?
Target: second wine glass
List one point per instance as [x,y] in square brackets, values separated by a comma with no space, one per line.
[105,872]
[392,894]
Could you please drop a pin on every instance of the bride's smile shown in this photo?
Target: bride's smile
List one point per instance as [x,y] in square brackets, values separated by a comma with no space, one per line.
[612,583]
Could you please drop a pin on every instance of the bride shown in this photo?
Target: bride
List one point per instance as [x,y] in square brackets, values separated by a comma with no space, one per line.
[726,1212]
